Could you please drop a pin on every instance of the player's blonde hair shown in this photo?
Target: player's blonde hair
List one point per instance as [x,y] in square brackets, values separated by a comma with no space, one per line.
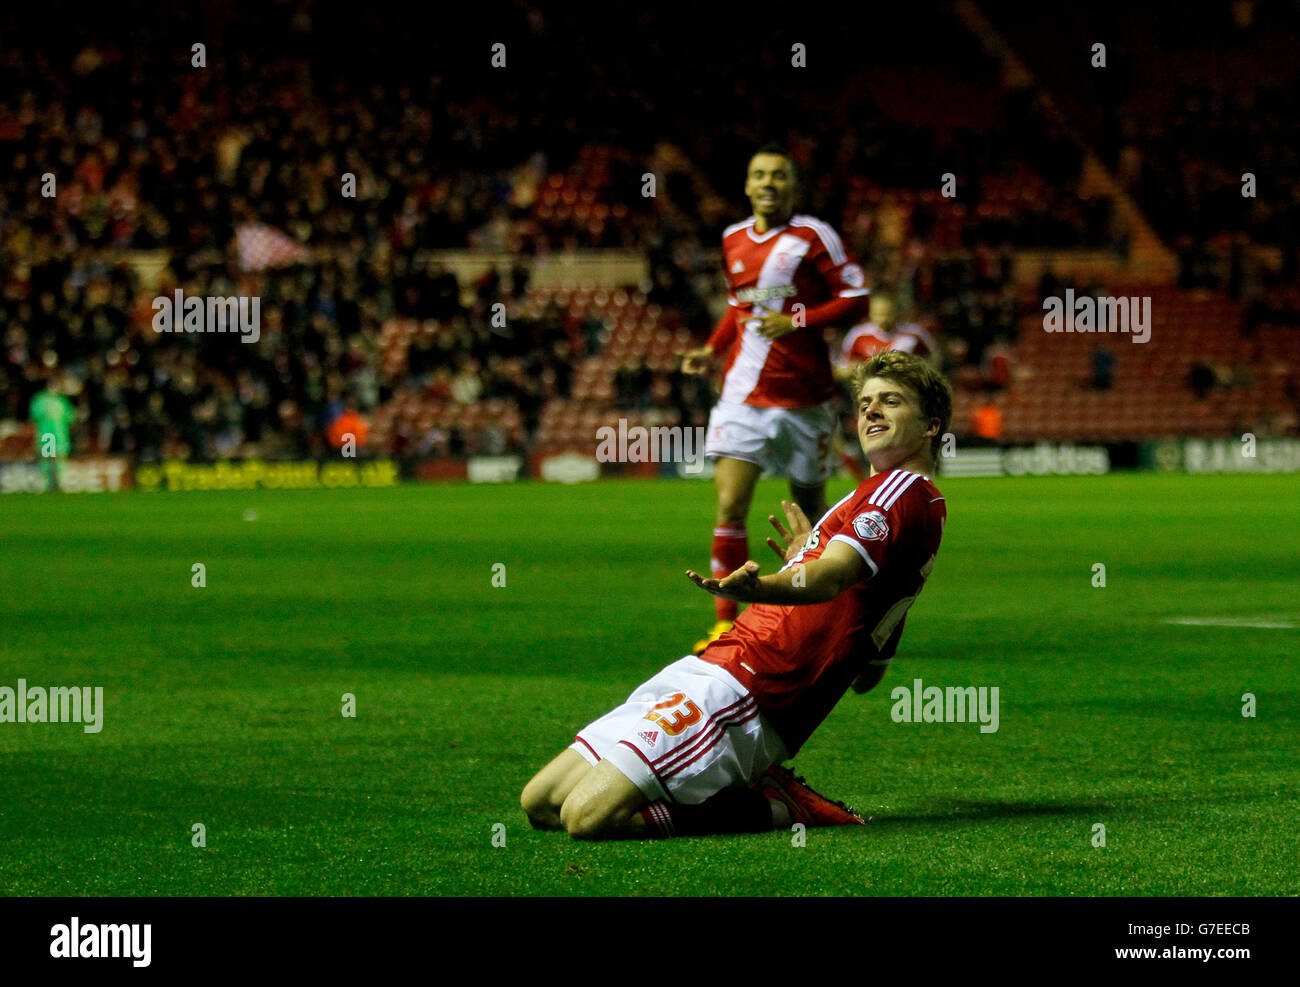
[934,391]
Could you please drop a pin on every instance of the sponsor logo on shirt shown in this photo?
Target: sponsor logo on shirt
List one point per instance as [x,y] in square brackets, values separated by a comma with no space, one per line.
[851,275]
[746,295]
[871,526]
[738,266]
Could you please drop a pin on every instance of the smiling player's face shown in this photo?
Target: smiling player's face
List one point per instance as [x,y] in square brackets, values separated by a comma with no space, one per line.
[892,427]
[770,186]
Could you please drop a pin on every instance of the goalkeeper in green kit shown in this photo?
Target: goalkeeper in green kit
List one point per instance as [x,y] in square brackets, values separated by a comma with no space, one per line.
[53,415]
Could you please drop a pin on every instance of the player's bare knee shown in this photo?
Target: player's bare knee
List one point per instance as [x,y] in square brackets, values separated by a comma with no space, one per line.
[538,805]
[587,827]
[544,819]
[582,819]
[532,808]
[570,813]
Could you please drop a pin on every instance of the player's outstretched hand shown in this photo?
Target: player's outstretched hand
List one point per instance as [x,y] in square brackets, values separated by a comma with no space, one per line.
[697,361]
[740,586]
[774,325]
[795,536]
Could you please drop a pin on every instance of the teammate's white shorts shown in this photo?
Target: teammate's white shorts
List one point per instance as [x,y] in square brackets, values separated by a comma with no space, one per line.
[793,441]
[685,735]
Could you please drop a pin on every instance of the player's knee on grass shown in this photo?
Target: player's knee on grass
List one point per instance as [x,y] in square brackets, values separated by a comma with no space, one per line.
[538,806]
[601,805]
[543,796]
[582,820]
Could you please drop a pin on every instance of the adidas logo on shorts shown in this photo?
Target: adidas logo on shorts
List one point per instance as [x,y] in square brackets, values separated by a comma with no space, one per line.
[649,736]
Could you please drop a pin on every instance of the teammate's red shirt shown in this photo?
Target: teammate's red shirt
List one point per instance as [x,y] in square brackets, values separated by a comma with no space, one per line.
[798,661]
[801,263]
[865,340]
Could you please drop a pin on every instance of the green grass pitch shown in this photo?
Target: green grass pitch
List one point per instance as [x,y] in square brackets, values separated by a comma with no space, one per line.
[223,703]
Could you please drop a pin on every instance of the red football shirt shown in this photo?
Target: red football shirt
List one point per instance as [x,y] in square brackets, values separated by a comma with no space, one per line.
[798,661]
[862,342]
[913,338]
[866,339]
[801,263]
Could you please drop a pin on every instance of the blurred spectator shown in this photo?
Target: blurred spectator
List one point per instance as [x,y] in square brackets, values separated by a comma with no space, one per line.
[997,362]
[1103,368]
[53,415]
[1202,379]
[349,426]
[466,386]
[986,421]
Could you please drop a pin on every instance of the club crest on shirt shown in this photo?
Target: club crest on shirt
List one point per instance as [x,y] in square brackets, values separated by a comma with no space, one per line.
[783,262]
[871,526]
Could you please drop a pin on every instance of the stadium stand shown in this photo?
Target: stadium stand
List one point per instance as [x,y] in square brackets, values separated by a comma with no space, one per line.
[155,191]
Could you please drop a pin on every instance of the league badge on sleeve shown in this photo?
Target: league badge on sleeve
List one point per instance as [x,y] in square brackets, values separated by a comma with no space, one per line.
[871,526]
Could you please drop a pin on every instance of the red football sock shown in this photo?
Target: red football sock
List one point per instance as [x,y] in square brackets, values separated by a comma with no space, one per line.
[732,810]
[730,552]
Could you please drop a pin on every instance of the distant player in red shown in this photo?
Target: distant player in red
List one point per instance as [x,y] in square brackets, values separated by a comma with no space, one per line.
[789,276]
[697,749]
[882,331]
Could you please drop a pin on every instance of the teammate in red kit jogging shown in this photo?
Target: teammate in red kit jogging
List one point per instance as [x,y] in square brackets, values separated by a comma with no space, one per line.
[789,276]
[697,748]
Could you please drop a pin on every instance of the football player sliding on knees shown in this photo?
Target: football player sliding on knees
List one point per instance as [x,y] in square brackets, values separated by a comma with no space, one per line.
[699,747]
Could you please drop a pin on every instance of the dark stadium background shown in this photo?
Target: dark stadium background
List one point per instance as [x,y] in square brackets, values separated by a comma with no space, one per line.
[521,186]
[159,163]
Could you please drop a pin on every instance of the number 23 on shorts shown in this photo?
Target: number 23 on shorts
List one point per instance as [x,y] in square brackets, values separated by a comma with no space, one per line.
[688,714]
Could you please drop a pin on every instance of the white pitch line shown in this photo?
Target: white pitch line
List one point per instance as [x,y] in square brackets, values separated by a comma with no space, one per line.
[1272,624]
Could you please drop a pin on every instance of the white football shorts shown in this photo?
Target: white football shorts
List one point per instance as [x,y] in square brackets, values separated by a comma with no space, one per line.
[685,735]
[791,441]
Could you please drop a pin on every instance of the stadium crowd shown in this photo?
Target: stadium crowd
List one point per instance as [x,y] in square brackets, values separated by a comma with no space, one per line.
[454,160]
